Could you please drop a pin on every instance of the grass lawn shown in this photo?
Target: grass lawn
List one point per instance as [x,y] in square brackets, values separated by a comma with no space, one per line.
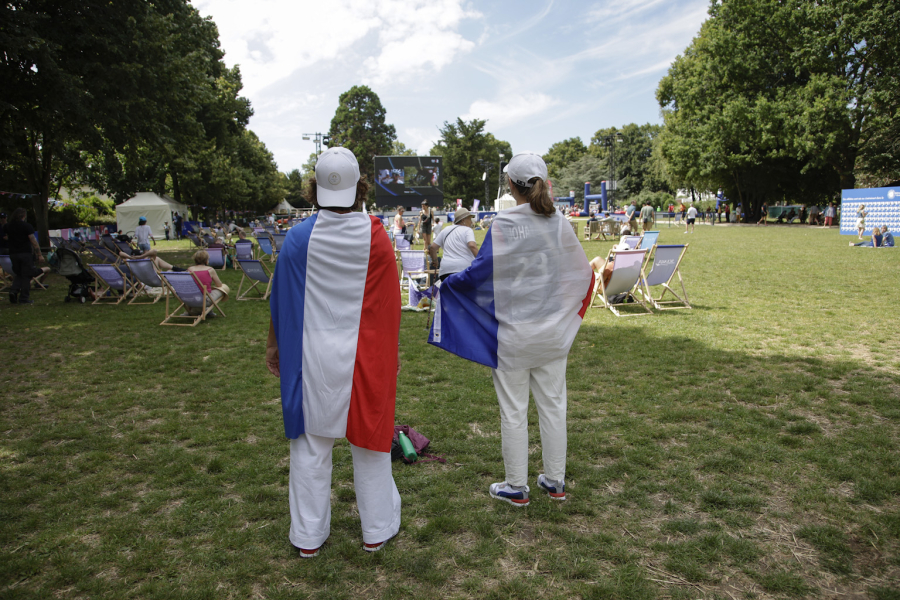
[747,448]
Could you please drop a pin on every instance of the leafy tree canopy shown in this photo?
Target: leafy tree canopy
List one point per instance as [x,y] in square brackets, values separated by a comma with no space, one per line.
[467,150]
[561,154]
[359,125]
[774,100]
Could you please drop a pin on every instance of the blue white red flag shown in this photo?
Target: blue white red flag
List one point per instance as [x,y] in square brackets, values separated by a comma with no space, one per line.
[520,303]
[336,311]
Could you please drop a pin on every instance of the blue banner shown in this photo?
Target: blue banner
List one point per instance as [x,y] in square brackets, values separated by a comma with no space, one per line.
[882,207]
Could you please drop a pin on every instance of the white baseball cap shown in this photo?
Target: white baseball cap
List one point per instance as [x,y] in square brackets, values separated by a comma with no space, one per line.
[337,173]
[525,166]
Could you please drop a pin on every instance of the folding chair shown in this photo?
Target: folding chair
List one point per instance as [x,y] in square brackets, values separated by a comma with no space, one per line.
[254,271]
[627,276]
[6,265]
[114,284]
[186,289]
[633,241]
[278,240]
[592,228]
[144,272]
[648,240]
[196,240]
[412,262]
[666,260]
[416,294]
[265,246]
[104,255]
[243,250]
[216,258]
[124,247]
[402,242]
[208,239]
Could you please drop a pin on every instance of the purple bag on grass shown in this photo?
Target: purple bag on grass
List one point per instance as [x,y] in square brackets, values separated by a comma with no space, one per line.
[420,443]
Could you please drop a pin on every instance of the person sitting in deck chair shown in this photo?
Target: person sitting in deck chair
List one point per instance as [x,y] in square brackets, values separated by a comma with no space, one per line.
[208,277]
[152,255]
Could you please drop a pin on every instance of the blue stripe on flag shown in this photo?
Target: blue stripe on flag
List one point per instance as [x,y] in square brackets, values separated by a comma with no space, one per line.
[468,322]
[287,304]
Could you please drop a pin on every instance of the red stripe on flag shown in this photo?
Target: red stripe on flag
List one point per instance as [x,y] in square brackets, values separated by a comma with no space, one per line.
[370,422]
[587,299]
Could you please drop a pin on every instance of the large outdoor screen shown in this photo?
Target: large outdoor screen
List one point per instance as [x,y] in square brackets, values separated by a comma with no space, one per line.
[408,180]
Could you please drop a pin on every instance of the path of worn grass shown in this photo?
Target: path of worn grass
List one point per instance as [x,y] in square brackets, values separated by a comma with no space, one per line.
[745,449]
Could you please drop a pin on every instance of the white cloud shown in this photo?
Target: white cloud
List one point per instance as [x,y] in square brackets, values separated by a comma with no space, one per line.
[420,139]
[271,39]
[509,110]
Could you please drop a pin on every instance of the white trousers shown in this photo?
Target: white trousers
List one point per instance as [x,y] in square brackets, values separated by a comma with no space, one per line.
[309,493]
[548,384]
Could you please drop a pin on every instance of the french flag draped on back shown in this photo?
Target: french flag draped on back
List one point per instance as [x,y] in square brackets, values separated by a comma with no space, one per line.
[336,311]
[520,303]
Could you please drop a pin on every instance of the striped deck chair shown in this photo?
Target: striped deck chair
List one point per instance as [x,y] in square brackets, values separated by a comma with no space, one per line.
[114,286]
[186,291]
[216,258]
[145,275]
[627,277]
[265,246]
[666,261]
[256,272]
[6,265]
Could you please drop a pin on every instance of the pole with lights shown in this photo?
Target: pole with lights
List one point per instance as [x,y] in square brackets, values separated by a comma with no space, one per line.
[610,141]
[321,139]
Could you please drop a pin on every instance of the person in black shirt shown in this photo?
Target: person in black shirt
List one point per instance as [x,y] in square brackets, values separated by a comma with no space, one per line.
[4,241]
[23,252]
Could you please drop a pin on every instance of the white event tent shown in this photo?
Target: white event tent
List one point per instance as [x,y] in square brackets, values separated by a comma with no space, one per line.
[158,210]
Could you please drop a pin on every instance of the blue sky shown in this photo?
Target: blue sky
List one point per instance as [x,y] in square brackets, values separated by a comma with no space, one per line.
[539,71]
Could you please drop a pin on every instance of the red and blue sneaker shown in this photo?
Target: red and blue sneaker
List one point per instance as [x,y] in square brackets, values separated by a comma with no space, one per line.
[556,489]
[507,493]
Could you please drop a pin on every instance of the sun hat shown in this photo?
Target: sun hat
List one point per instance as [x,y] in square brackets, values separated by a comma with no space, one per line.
[525,166]
[337,173]
[460,214]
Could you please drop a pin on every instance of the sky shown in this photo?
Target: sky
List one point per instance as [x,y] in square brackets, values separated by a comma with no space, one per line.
[538,71]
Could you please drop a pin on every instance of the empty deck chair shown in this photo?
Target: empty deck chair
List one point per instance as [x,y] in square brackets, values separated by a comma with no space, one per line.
[216,258]
[411,263]
[114,285]
[648,240]
[256,272]
[666,261]
[265,246]
[186,292]
[145,276]
[627,277]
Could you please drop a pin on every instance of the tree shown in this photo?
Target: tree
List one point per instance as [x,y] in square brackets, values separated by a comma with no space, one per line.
[561,154]
[400,149]
[574,175]
[89,78]
[772,100]
[359,125]
[468,150]
[633,157]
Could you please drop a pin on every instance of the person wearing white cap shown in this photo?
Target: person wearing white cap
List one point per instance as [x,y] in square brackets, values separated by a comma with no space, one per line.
[458,242]
[517,309]
[333,341]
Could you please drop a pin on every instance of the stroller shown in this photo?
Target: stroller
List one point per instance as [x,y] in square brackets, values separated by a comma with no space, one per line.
[81,282]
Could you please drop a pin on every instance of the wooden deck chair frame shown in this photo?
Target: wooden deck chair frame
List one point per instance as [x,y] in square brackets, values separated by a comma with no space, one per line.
[592,228]
[6,267]
[141,285]
[208,303]
[256,282]
[401,270]
[116,297]
[602,293]
[262,246]
[679,301]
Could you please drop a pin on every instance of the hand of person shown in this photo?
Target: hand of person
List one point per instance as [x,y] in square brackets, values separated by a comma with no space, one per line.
[272,361]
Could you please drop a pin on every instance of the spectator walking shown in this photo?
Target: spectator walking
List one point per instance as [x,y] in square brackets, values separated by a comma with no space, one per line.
[691,218]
